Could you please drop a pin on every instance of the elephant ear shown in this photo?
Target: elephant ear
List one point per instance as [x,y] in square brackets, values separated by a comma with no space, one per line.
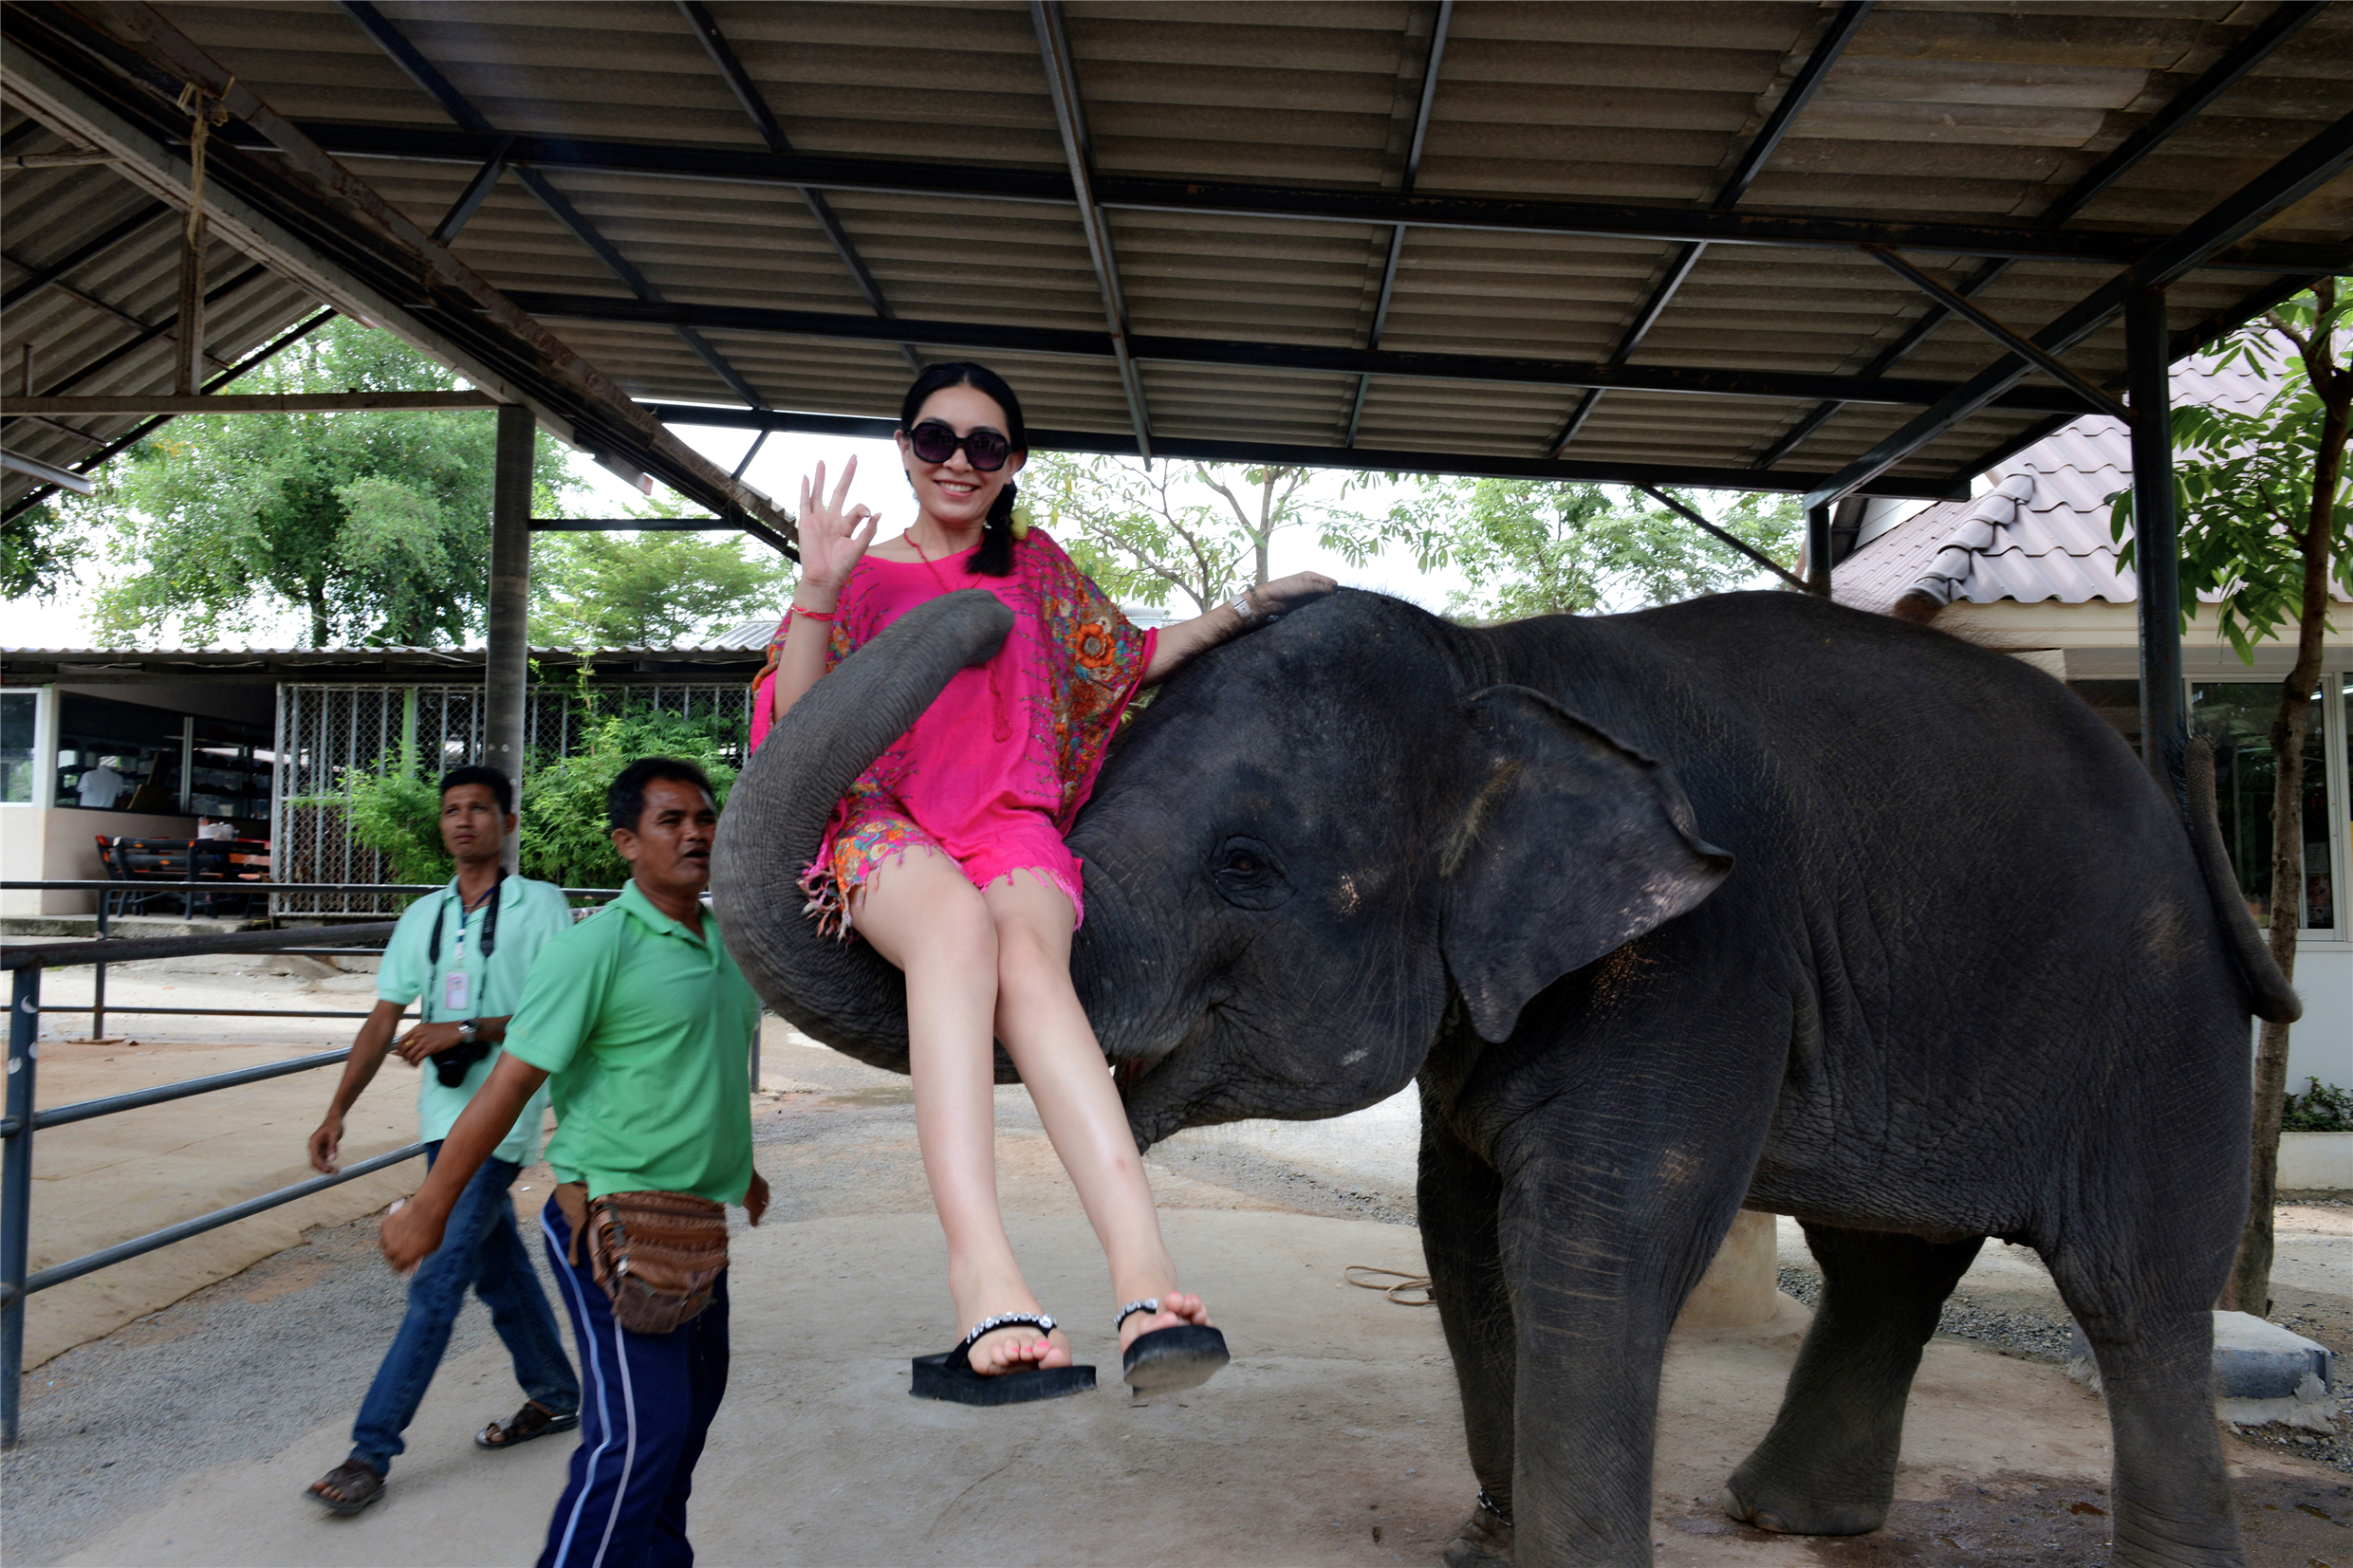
[1569,845]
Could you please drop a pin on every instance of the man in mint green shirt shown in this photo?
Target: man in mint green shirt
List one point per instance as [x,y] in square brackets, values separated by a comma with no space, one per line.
[642,1024]
[463,953]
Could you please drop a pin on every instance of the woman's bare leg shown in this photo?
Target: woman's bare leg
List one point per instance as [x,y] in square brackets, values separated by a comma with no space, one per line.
[922,914]
[1045,1028]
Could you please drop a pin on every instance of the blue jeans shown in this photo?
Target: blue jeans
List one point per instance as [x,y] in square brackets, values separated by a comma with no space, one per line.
[651,1400]
[482,1249]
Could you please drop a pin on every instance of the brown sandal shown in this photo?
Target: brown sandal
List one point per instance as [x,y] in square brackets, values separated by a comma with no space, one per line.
[358,1485]
[533,1420]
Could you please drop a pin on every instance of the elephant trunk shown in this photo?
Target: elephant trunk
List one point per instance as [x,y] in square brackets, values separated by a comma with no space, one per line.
[843,994]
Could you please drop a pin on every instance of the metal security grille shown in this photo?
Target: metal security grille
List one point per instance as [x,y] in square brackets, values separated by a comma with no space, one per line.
[327,734]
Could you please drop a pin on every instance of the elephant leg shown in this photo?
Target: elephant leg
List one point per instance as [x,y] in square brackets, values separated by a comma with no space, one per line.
[1457,1196]
[2151,1326]
[1828,1465]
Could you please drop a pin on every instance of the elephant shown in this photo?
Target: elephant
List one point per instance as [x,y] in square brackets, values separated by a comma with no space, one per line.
[1752,901]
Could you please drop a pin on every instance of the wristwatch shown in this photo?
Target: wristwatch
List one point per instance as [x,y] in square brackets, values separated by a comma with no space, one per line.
[467,1033]
[1245,606]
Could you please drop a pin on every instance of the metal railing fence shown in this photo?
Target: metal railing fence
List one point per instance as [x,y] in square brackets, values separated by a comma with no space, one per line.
[22,1120]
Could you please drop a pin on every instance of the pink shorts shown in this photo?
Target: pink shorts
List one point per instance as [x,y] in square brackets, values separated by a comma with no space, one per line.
[879,830]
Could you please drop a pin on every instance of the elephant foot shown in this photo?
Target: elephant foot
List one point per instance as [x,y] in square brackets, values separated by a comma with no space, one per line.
[1756,1499]
[1484,1542]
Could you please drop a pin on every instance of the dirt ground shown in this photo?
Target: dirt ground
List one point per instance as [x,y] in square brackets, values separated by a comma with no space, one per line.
[187,1436]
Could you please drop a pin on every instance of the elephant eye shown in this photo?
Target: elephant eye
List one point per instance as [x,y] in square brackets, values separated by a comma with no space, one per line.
[1247,874]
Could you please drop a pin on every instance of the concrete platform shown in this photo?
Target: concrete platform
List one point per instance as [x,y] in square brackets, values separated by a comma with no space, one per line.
[1332,1439]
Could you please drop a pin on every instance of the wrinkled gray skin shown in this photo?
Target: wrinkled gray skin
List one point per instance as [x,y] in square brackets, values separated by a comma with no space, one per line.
[1750,900]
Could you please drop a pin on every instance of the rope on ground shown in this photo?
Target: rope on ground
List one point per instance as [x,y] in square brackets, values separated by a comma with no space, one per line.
[1407,1283]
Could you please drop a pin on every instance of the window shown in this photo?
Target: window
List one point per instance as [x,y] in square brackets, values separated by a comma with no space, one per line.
[2238,716]
[117,756]
[17,711]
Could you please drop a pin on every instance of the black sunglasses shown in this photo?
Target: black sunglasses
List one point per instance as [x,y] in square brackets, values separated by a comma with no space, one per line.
[934,441]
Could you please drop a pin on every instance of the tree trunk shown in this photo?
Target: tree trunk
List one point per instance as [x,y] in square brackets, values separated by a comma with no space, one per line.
[2249,1287]
[317,597]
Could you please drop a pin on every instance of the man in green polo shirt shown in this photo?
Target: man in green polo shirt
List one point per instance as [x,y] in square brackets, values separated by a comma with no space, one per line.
[464,952]
[642,1024]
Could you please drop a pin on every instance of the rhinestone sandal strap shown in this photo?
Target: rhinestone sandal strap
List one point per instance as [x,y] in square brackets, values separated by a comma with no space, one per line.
[1043,1322]
[1149,1303]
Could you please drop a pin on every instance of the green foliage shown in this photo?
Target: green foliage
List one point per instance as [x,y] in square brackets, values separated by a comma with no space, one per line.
[376,525]
[38,550]
[653,590]
[1531,547]
[1150,531]
[2243,482]
[397,813]
[2322,1108]
[565,837]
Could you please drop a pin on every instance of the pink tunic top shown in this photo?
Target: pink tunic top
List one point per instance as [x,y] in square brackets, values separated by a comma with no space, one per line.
[995,770]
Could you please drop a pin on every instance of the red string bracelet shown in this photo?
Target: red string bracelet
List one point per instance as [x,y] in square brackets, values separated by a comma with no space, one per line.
[812,614]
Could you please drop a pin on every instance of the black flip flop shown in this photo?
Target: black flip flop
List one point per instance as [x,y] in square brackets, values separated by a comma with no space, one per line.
[351,1477]
[1168,1360]
[522,1429]
[951,1377]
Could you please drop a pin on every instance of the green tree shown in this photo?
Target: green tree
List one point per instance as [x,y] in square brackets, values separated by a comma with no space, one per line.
[375,525]
[653,590]
[2266,520]
[1151,531]
[1535,546]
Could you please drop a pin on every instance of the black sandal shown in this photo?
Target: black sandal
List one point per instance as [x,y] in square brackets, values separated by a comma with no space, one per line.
[533,1420]
[950,1376]
[1168,1360]
[358,1485]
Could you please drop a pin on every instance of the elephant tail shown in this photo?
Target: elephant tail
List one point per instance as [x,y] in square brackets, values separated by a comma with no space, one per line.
[2274,1000]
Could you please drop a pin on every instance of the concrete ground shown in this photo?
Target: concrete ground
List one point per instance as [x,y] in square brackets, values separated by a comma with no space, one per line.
[188,1436]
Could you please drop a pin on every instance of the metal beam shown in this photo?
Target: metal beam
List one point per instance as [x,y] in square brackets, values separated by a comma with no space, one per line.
[1061,80]
[459,108]
[1818,548]
[2157,543]
[140,432]
[265,402]
[48,473]
[1667,225]
[122,351]
[629,524]
[1992,326]
[1407,365]
[706,28]
[507,648]
[1475,465]
[2221,76]
[1691,514]
[2285,183]
[88,251]
[1396,235]
[1803,87]
[477,191]
[318,223]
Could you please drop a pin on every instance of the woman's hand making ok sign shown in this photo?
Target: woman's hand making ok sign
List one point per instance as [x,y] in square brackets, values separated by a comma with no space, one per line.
[832,539]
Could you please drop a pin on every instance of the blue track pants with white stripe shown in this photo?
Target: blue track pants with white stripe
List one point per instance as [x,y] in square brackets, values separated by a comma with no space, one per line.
[646,1402]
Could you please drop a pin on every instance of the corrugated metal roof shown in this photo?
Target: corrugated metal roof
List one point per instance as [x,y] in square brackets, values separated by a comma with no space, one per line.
[2043,531]
[1936,112]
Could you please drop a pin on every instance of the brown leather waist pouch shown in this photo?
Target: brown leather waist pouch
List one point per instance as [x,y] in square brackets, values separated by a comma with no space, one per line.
[659,1255]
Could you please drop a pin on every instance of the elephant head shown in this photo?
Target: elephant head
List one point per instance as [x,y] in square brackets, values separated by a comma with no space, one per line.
[1304,849]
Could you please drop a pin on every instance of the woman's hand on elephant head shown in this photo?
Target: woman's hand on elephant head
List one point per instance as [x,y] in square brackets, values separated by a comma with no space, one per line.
[833,539]
[1285,594]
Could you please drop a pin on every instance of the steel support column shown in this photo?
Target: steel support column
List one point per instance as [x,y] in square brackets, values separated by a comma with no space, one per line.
[506,659]
[2157,541]
[1818,551]
[16,1192]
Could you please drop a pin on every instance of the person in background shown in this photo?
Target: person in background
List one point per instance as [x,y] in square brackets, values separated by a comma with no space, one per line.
[466,950]
[100,787]
[641,1023]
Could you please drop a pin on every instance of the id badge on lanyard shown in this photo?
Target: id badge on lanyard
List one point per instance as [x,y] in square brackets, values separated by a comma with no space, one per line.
[457,986]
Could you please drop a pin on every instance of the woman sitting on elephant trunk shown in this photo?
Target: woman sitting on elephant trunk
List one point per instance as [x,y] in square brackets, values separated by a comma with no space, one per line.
[947,855]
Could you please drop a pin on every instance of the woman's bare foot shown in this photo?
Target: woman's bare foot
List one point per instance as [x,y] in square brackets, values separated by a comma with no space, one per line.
[1018,1348]
[1176,1308]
